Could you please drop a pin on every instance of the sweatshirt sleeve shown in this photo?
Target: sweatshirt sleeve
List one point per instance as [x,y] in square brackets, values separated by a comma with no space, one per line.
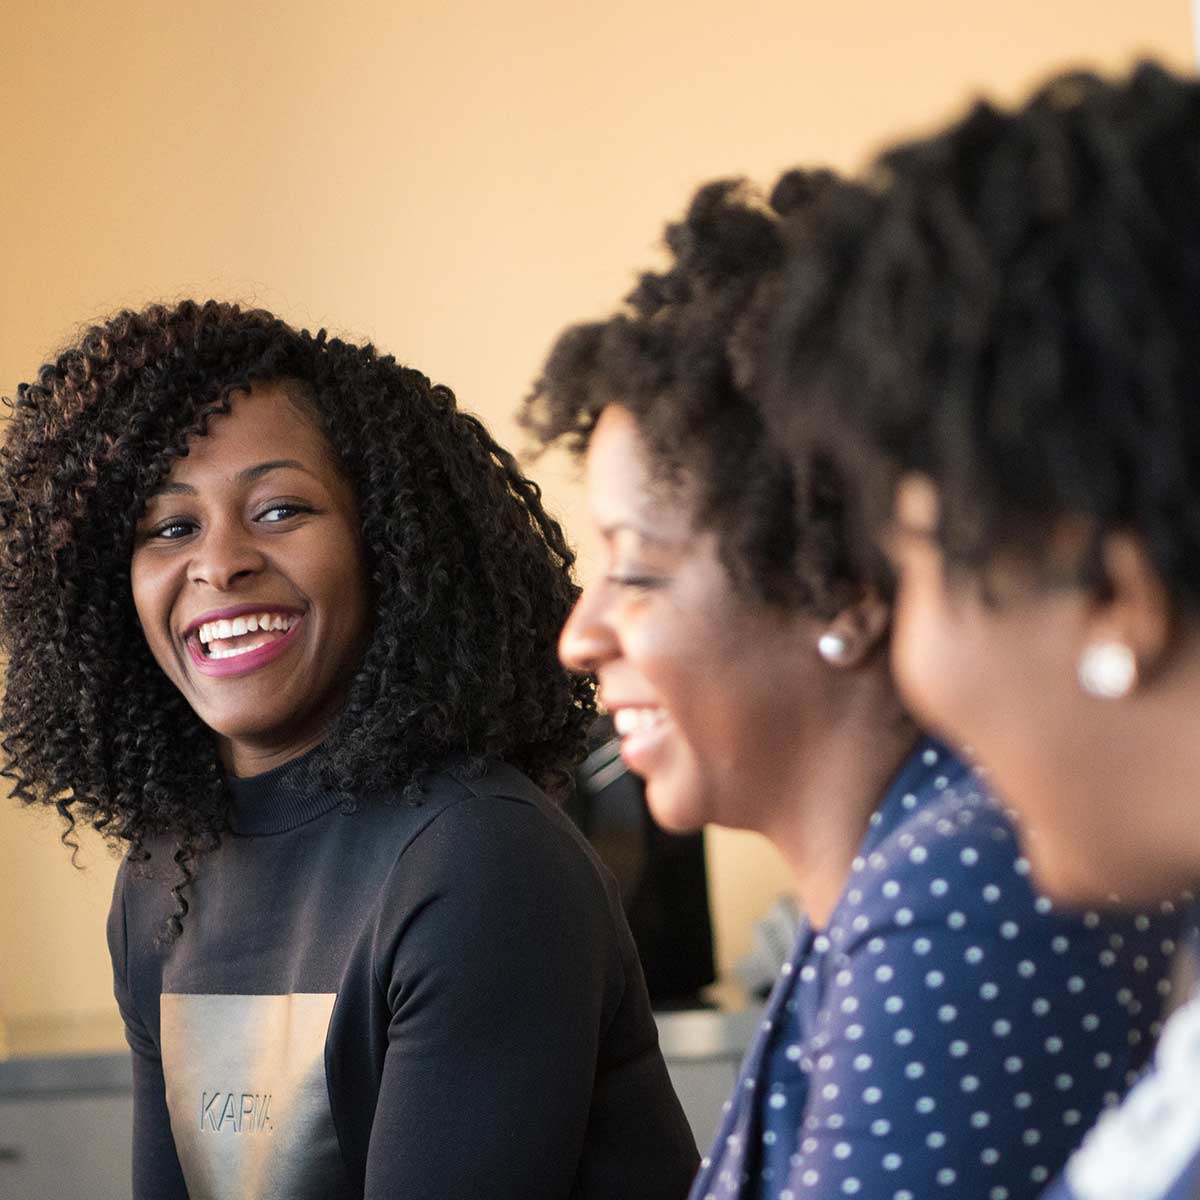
[156,1170]
[505,968]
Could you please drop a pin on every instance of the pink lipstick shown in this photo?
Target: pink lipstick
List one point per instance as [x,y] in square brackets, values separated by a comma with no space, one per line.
[241,664]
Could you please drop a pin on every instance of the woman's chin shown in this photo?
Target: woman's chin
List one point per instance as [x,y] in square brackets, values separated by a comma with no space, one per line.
[674,804]
[675,779]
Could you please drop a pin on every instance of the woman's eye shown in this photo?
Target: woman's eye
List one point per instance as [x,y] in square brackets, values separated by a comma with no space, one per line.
[635,582]
[282,512]
[172,530]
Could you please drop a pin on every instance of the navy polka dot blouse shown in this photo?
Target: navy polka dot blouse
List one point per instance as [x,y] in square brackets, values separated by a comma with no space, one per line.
[1149,1147]
[949,1033]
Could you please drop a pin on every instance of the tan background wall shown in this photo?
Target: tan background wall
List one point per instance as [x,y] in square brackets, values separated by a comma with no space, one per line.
[454,180]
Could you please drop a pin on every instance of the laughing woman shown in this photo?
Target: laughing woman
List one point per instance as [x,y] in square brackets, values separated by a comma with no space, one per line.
[939,1029]
[281,619]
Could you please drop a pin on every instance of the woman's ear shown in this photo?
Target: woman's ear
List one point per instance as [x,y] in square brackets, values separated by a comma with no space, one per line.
[853,636]
[1127,630]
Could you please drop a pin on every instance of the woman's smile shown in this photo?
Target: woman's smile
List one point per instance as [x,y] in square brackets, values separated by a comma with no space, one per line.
[645,733]
[237,643]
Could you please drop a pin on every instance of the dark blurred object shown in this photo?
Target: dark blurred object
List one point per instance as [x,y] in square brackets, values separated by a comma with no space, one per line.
[661,876]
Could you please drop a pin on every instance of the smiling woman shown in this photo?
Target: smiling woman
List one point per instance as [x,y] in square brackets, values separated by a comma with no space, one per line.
[281,619]
[249,582]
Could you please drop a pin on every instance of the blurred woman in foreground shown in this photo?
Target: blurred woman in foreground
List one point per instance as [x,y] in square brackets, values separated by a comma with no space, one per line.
[1008,334]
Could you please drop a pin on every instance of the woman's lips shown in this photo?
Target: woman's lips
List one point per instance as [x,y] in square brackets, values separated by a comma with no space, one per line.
[245,662]
[643,731]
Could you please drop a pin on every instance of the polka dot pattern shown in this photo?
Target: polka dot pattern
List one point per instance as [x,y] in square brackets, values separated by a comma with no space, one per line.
[948,1025]
[1149,1147]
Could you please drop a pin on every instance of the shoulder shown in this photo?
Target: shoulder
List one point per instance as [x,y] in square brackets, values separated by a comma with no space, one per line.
[500,874]
[963,827]
[949,860]
[498,810]
[954,865]
[498,830]
[950,882]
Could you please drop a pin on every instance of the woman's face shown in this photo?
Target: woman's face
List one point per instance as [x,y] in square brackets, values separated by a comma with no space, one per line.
[1001,678]
[249,581]
[705,686]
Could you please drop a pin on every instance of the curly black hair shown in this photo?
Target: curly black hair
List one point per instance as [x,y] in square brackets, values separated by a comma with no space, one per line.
[470,578]
[1015,312]
[681,359]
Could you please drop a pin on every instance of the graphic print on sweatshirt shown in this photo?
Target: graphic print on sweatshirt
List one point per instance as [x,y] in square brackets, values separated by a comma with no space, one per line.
[246,1091]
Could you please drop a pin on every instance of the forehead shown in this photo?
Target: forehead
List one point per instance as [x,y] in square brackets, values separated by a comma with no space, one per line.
[628,488]
[263,424]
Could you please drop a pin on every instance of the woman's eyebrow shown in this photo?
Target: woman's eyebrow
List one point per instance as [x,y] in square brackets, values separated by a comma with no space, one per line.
[249,474]
[660,539]
[246,475]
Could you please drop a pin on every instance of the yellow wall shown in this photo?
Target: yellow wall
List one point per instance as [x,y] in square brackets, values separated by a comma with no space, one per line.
[455,180]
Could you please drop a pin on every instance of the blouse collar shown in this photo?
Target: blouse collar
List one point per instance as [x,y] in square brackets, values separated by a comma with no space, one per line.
[930,769]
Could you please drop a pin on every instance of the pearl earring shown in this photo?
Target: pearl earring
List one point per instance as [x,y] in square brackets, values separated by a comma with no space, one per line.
[1108,670]
[833,648]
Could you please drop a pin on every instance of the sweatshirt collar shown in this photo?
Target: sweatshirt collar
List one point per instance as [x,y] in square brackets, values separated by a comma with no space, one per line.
[280,799]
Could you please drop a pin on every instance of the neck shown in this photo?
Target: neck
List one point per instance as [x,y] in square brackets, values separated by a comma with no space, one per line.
[833,784]
[243,757]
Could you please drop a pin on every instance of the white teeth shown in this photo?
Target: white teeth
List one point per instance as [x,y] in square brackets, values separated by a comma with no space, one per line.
[636,720]
[239,651]
[212,631]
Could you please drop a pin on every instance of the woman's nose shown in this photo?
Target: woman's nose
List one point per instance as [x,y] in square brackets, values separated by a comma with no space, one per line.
[588,639]
[224,555]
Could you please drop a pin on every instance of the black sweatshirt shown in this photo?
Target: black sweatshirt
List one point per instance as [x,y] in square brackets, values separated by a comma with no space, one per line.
[423,1001]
